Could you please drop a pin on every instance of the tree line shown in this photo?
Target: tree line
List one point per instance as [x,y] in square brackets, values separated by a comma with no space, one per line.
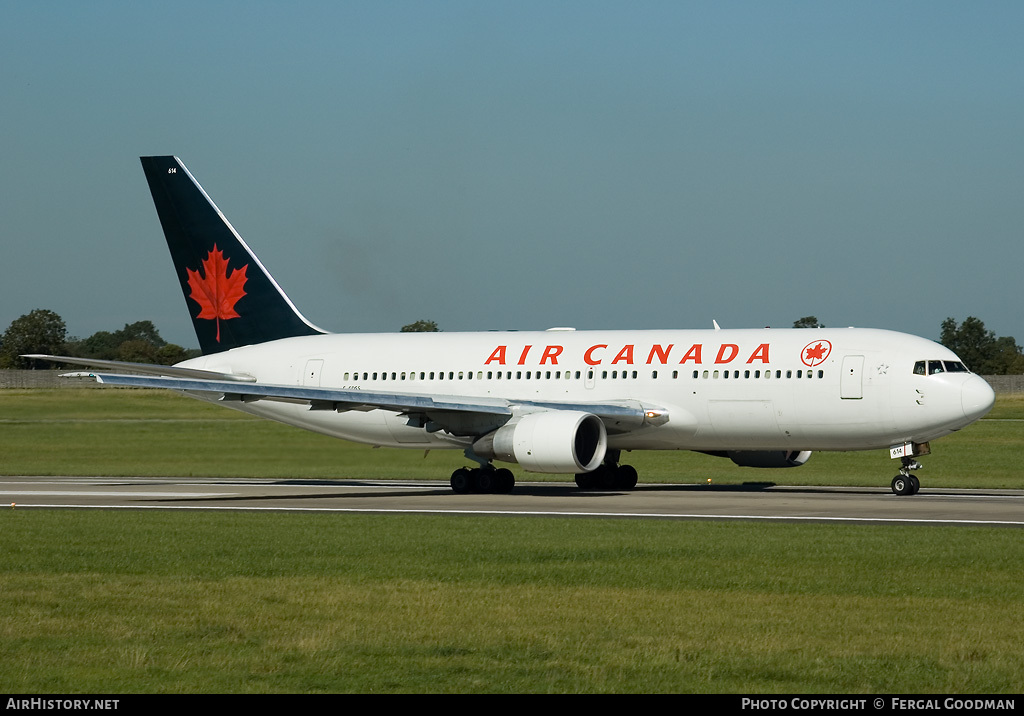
[43,331]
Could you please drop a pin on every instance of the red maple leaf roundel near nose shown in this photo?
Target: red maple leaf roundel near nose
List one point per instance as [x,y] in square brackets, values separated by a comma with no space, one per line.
[815,353]
[216,291]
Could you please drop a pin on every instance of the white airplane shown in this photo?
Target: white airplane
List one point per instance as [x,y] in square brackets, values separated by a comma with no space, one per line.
[554,401]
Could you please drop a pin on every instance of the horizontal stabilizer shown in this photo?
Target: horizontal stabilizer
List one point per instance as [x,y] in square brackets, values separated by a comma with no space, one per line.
[145,368]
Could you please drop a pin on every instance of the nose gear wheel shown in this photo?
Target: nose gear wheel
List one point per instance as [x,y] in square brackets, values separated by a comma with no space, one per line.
[906,483]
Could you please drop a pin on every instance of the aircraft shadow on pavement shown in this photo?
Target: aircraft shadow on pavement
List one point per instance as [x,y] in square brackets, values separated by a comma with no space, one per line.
[336,490]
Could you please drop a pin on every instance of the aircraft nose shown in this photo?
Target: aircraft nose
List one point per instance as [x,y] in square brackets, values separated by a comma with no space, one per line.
[977,397]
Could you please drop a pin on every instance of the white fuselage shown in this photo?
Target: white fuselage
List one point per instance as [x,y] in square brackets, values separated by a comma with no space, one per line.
[758,389]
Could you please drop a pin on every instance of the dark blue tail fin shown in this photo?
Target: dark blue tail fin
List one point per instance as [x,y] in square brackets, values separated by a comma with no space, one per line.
[232,299]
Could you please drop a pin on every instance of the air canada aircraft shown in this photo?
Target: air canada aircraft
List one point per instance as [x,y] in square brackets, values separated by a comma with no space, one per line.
[557,401]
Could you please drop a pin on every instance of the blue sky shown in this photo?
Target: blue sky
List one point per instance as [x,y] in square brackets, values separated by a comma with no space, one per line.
[521,165]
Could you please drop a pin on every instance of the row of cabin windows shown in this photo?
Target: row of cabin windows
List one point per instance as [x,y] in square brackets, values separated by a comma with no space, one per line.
[758,374]
[571,375]
[470,375]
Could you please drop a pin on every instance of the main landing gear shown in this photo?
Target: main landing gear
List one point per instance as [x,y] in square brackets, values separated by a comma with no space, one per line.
[609,476]
[486,478]
[906,483]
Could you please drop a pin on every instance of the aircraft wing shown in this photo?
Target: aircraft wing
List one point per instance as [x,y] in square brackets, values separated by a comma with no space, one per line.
[618,416]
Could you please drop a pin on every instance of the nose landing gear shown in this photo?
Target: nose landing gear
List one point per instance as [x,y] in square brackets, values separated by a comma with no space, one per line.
[906,483]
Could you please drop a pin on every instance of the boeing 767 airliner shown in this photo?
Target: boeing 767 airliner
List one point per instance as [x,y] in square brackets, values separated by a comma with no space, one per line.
[554,401]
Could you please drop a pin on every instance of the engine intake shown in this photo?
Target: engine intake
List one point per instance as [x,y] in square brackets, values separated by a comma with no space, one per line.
[554,441]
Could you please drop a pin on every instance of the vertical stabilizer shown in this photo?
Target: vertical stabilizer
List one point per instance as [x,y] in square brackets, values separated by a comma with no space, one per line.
[231,297]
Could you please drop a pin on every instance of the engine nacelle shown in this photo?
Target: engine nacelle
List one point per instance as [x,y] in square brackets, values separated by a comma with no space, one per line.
[554,441]
[769,458]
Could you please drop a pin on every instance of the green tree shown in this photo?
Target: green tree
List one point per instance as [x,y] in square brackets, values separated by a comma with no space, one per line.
[808,322]
[980,349]
[140,331]
[101,344]
[138,342]
[172,353]
[1008,356]
[420,327]
[137,351]
[40,331]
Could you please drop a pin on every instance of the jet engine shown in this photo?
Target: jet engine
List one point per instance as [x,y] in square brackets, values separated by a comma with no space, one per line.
[769,458]
[554,441]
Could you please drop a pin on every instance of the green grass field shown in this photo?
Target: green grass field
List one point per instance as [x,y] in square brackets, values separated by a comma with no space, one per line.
[125,602]
[118,602]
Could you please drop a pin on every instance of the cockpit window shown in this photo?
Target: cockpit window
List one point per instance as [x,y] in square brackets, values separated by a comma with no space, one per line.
[932,367]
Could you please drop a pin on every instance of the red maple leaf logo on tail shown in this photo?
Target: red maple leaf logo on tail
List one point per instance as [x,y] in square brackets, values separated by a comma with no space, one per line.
[216,291]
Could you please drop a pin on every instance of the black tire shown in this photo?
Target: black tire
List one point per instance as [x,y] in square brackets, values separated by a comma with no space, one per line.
[604,478]
[585,480]
[462,481]
[505,480]
[902,485]
[485,480]
[915,485]
[626,477]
